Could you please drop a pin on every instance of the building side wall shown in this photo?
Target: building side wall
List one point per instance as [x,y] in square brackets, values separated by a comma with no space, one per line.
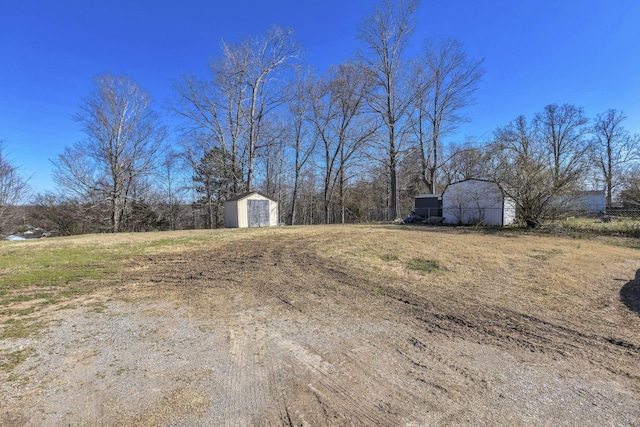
[592,203]
[471,202]
[273,213]
[231,214]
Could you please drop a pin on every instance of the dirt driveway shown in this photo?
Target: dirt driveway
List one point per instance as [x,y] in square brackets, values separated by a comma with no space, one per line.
[250,333]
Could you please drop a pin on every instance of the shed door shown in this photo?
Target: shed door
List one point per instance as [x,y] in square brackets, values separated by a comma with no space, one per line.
[258,213]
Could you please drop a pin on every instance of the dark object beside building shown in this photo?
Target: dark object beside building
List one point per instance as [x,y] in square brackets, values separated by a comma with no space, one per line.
[428,205]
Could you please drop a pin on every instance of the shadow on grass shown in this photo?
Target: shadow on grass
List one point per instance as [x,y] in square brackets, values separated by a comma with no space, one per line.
[462,229]
[630,294]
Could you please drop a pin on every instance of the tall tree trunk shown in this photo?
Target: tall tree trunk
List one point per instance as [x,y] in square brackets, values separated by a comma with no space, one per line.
[294,194]
[393,177]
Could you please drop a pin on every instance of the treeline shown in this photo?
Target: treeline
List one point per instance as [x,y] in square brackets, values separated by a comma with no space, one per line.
[355,143]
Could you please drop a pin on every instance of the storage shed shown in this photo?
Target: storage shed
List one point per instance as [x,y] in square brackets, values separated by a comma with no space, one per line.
[428,205]
[252,209]
[477,202]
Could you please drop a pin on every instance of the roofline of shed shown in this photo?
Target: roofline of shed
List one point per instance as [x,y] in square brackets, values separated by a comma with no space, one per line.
[427,196]
[247,194]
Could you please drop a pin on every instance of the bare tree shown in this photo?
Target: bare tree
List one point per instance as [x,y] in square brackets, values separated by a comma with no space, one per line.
[172,190]
[258,61]
[303,142]
[57,213]
[465,161]
[214,117]
[614,148]
[272,159]
[522,168]
[231,109]
[14,190]
[630,192]
[445,81]
[124,138]
[340,125]
[564,130]
[386,34]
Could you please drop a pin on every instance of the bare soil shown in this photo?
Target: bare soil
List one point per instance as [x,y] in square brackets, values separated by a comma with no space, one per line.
[329,327]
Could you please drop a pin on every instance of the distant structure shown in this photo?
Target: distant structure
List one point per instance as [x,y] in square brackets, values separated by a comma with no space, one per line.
[590,203]
[252,209]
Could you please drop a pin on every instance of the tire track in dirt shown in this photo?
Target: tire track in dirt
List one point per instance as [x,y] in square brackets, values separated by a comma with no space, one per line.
[336,390]
[235,390]
[249,389]
[509,329]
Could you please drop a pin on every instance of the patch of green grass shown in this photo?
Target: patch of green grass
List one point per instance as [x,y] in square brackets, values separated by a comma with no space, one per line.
[389,257]
[121,370]
[182,241]
[43,295]
[378,290]
[427,265]
[169,242]
[99,307]
[14,328]
[17,298]
[63,268]
[541,291]
[61,274]
[58,266]
[71,292]
[9,361]
[61,263]
[48,297]
[50,301]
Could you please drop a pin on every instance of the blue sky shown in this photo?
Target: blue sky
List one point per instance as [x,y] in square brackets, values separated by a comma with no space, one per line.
[536,52]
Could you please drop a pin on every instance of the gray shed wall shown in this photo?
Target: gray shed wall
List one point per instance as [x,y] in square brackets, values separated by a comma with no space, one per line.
[236,212]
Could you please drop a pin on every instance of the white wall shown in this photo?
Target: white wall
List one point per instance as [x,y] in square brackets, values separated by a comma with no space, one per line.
[509,214]
[273,213]
[472,202]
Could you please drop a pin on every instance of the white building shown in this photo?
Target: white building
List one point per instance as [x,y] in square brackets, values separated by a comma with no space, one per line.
[477,202]
[251,209]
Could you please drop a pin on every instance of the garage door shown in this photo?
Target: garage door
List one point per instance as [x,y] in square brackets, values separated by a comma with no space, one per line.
[258,213]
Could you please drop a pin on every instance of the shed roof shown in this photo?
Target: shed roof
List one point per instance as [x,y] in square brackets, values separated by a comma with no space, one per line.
[247,194]
[590,193]
[473,180]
